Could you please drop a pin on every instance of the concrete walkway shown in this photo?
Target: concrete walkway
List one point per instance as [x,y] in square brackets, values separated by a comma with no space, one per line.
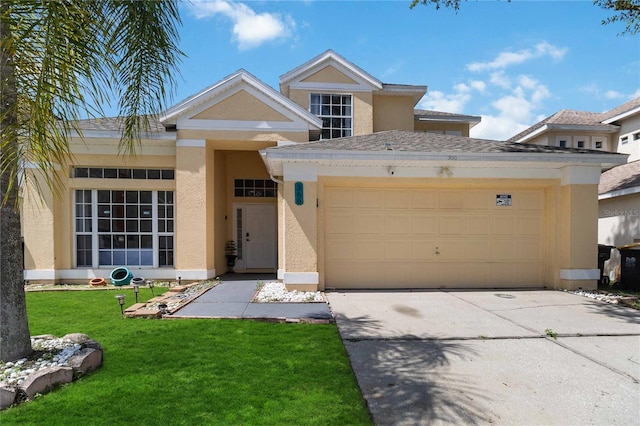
[478,357]
[232,299]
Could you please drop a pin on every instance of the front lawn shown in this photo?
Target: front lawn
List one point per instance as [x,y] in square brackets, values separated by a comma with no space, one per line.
[186,372]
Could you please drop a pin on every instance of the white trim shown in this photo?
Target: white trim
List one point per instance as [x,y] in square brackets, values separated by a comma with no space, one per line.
[301,278]
[192,143]
[209,96]
[232,125]
[330,58]
[619,193]
[580,175]
[330,88]
[280,275]
[195,274]
[35,166]
[39,274]
[579,274]
[117,134]
[622,115]
[90,273]
[300,172]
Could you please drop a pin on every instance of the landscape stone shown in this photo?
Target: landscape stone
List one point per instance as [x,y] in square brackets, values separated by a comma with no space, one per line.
[44,380]
[7,397]
[92,344]
[77,337]
[86,360]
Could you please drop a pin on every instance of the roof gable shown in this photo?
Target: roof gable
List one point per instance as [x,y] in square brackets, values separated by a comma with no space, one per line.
[329,63]
[240,101]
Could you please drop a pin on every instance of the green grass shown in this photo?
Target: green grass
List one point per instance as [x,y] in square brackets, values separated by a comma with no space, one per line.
[190,372]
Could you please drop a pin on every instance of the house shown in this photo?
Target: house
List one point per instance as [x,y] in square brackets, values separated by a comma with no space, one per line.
[617,130]
[334,181]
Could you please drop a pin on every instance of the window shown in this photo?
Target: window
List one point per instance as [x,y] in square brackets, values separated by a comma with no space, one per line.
[580,144]
[124,228]
[260,188]
[335,112]
[598,144]
[624,140]
[562,143]
[636,136]
[113,173]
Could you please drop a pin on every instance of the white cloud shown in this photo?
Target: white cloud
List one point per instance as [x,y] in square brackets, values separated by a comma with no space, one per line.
[250,29]
[612,94]
[500,79]
[440,101]
[506,59]
[479,85]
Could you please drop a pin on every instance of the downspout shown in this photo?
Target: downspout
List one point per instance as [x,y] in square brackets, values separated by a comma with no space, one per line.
[284,241]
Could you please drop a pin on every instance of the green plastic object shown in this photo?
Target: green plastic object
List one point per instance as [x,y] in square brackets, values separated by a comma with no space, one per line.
[121,276]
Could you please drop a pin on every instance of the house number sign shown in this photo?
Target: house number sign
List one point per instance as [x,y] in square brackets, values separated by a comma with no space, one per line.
[503,200]
[298,189]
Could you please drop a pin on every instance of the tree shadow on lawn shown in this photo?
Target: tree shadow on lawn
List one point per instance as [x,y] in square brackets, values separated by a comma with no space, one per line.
[408,380]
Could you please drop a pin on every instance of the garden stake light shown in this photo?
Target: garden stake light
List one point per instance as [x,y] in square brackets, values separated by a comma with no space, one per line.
[136,290]
[150,284]
[120,298]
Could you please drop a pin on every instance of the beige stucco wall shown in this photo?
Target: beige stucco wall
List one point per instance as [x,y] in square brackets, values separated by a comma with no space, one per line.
[576,233]
[38,223]
[619,220]
[392,113]
[430,126]
[329,74]
[241,106]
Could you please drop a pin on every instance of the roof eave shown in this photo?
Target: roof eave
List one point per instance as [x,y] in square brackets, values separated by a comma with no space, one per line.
[623,115]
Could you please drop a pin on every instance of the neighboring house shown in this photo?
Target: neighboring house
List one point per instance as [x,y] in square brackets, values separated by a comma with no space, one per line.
[335,181]
[618,131]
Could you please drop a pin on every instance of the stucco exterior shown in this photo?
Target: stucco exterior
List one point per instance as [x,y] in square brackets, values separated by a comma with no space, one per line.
[206,177]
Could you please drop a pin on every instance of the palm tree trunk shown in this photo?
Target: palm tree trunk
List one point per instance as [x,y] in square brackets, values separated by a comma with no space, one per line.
[15,339]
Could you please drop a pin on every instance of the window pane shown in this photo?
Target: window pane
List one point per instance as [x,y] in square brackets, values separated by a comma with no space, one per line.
[168,174]
[145,226]
[95,173]
[132,226]
[145,197]
[139,174]
[81,172]
[110,173]
[153,174]
[117,197]
[132,196]
[104,196]
[146,241]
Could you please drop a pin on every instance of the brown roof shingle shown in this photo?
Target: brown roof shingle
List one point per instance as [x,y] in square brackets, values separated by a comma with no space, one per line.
[620,177]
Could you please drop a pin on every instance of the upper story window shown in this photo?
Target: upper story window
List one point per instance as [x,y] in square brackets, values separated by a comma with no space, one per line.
[598,144]
[336,113]
[562,143]
[580,144]
[624,139]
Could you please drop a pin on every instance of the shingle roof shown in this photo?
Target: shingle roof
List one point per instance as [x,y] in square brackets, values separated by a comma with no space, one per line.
[580,118]
[620,177]
[444,115]
[404,141]
[113,124]
[628,106]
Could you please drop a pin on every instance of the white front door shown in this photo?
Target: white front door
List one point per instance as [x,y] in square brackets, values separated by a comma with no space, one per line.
[259,236]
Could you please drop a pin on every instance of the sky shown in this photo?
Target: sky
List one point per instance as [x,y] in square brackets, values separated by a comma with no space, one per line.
[512,63]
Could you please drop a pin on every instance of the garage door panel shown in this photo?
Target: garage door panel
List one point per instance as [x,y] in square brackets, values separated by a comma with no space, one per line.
[451,225]
[424,199]
[397,250]
[397,224]
[368,225]
[338,224]
[394,200]
[339,249]
[424,238]
[367,199]
[423,224]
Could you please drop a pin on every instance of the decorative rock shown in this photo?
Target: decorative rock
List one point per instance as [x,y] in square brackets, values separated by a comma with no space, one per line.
[43,337]
[7,397]
[92,344]
[77,337]
[44,380]
[86,360]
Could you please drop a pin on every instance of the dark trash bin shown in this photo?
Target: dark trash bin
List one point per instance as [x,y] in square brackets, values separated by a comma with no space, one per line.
[604,254]
[630,267]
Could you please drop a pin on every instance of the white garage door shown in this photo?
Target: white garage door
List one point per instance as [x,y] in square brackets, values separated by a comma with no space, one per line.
[433,238]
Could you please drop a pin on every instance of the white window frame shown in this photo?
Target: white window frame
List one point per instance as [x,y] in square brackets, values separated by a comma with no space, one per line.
[331,116]
[95,245]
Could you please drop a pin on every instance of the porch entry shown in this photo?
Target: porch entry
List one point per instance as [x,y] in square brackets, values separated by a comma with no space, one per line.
[255,231]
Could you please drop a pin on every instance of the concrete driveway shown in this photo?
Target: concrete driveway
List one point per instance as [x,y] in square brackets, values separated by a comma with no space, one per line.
[478,357]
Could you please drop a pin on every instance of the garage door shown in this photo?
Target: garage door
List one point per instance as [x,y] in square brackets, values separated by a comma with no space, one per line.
[433,238]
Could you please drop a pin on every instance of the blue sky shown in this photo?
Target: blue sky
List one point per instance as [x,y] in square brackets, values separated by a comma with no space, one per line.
[513,63]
